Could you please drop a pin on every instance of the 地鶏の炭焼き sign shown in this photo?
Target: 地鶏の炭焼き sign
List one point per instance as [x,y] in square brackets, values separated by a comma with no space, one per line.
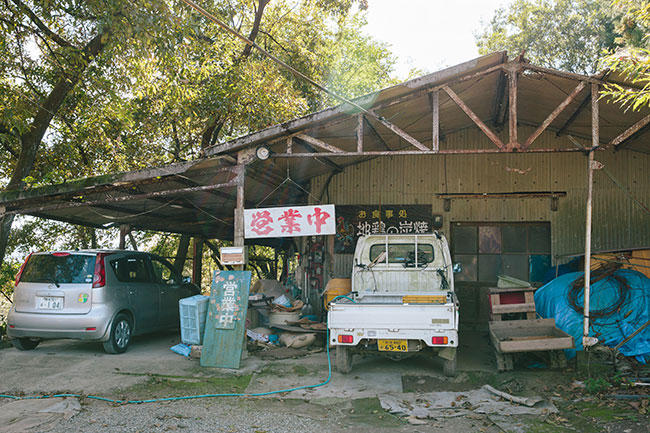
[280,222]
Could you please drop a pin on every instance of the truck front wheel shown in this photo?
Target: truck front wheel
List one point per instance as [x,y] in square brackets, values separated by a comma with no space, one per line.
[343,359]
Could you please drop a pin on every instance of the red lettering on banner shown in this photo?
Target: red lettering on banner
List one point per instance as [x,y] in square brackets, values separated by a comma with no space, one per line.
[289,216]
[260,223]
[319,218]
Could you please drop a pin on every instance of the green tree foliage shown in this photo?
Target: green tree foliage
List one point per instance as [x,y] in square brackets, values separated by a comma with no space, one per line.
[92,86]
[569,35]
[632,61]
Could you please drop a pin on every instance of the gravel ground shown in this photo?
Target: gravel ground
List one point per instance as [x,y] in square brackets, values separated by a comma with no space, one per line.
[252,416]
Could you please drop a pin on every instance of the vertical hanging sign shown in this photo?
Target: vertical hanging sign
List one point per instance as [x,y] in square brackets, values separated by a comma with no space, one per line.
[225,325]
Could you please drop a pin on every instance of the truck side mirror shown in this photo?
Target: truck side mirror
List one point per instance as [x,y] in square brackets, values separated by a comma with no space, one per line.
[457,268]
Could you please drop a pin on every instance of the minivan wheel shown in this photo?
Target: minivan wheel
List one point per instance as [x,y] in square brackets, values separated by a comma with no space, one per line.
[24,343]
[120,336]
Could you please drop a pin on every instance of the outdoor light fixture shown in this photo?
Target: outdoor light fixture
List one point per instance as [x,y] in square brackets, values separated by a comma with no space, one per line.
[262,153]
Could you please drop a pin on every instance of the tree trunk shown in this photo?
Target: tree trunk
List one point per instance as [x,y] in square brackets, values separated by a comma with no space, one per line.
[30,141]
[181,254]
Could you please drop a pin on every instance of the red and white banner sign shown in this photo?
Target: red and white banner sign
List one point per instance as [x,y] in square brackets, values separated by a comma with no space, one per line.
[286,222]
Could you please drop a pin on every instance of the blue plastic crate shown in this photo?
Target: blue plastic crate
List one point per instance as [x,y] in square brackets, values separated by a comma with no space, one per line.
[193,311]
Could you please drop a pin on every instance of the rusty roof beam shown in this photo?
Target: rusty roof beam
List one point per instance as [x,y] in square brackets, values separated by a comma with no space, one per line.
[551,117]
[318,143]
[499,108]
[323,159]
[629,132]
[482,126]
[124,198]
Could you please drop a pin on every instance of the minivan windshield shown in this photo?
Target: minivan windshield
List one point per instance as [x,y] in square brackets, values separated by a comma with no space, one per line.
[59,269]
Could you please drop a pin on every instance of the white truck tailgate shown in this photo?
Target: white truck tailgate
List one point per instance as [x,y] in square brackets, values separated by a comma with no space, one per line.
[383,316]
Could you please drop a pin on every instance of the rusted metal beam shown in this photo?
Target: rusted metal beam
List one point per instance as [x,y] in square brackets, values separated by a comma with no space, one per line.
[318,143]
[124,198]
[400,133]
[551,117]
[499,108]
[435,121]
[574,116]
[569,75]
[419,152]
[238,235]
[503,195]
[591,165]
[625,135]
[376,134]
[359,132]
[482,126]
[321,156]
[513,142]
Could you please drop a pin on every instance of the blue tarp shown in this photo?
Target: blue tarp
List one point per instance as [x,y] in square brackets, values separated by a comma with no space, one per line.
[551,301]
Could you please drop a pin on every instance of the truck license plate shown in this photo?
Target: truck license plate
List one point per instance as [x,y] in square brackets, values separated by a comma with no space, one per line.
[392,345]
[49,302]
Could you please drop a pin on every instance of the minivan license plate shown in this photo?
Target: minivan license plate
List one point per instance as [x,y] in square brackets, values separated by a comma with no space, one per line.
[392,345]
[49,302]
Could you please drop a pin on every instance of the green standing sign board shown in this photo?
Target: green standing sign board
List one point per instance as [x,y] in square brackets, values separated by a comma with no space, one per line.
[223,340]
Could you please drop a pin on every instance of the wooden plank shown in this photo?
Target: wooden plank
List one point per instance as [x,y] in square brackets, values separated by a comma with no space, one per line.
[536,345]
[318,143]
[495,301]
[513,308]
[482,126]
[519,324]
[529,298]
[223,340]
[551,117]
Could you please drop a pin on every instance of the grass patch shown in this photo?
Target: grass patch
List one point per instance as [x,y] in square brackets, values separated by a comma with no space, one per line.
[159,386]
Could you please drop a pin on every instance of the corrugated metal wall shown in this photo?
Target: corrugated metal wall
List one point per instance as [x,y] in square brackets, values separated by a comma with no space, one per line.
[617,221]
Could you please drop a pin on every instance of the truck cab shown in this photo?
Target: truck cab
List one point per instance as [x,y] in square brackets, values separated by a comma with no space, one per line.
[402,301]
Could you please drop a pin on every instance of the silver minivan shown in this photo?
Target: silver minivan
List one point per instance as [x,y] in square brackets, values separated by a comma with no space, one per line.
[102,295]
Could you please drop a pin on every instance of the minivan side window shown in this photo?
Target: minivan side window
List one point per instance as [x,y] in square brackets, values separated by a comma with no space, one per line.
[131,270]
[163,271]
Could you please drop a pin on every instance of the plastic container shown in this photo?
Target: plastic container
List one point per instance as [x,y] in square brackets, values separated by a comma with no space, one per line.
[336,287]
[193,311]
[283,317]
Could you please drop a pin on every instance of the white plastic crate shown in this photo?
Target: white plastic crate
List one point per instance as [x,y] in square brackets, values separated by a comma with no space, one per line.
[193,311]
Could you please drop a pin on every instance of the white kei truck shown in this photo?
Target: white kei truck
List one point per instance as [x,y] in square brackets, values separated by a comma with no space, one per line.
[402,301]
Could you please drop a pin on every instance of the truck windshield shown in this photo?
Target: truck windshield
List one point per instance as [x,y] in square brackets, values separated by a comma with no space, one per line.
[403,253]
[64,269]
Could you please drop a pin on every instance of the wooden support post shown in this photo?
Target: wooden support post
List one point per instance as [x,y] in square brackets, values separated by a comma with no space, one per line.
[477,121]
[595,139]
[359,132]
[512,103]
[435,125]
[551,117]
[290,145]
[197,263]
